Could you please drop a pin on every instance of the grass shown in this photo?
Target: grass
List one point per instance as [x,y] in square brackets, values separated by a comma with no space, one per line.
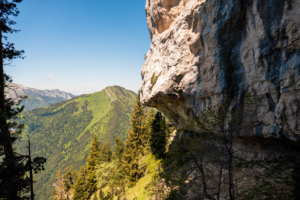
[139,191]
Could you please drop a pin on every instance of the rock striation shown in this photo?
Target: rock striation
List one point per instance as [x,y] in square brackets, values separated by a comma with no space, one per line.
[202,51]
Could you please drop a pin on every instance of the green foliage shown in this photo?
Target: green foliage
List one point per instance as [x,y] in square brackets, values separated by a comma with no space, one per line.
[135,143]
[64,183]
[92,161]
[148,127]
[119,149]
[63,132]
[81,188]
[105,153]
[158,138]
[129,163]
[35,101]
[104,173]
[95,197]
[154,78]
[69,177]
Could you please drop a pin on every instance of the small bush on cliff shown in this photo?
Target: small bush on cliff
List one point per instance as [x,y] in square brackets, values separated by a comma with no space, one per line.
[154,78]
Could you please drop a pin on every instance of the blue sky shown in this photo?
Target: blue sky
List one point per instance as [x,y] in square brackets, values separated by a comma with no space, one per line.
[80,46]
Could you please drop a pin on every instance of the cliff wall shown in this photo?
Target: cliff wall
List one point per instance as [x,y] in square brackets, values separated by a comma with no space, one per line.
[202,51]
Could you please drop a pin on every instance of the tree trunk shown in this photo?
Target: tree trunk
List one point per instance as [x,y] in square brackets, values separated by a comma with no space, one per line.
[6,141]
[220,182]
[30,169]
[231,195]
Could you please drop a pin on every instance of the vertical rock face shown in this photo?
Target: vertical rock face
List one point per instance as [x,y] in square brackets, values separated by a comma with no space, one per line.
[204,50]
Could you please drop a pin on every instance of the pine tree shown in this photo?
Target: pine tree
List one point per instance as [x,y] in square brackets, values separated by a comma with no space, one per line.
[158,139]
[148,128]
[81,189]
[119,177]
[135,143]
[119,149]
[92,161]
[106,153]
[60,189]
[69,177]
[138,122]
[131,156]
[69,180]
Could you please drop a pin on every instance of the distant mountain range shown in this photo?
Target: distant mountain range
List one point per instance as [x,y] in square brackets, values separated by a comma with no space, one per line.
[63,132]
[37,98]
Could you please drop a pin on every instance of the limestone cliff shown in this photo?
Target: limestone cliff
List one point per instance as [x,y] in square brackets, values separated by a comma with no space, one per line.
[204,50]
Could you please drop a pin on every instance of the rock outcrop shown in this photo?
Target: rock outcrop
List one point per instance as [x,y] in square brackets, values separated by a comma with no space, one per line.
[204,50]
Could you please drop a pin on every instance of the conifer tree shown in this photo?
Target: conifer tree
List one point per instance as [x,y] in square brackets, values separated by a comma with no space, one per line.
[81,189]
[119,149]
[135,143]
[158,139]
[60,189]
[119,177]
[69,178]
[148,127]
[92,161]
[138,122]
[131,156]
[106,153]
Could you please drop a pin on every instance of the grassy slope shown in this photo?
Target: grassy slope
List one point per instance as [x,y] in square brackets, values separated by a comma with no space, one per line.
[63,132]
[35,101]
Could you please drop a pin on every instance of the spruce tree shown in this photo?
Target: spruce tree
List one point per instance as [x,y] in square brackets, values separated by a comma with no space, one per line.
[81,189]
[119,177]
[135,143]
[148,127]
[92,161]
[106,153]
[131,156]
[138,122]
[60,189]
[158,139]
[69,177]
[119,149]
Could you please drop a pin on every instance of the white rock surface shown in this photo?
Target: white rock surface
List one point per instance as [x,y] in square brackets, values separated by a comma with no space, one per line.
[203,50]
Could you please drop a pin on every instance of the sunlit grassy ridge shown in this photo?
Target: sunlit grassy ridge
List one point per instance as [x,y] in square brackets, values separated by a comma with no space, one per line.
[63,132]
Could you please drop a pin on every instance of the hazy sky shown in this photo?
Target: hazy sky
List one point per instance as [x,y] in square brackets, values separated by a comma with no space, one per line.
[80,46]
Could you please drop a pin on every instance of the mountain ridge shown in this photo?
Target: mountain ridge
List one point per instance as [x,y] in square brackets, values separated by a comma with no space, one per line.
[62,132]
[20,89]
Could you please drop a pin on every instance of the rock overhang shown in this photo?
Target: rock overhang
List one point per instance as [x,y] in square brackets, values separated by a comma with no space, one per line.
[203,50]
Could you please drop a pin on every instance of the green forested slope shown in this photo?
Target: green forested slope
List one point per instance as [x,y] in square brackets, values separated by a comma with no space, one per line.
[63,132]
[35,101]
